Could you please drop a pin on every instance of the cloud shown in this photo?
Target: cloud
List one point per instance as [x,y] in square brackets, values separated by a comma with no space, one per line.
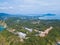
[30,6]
[4,8]
[5,5]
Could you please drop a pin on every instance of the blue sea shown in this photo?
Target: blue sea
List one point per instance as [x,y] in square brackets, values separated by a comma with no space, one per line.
[1,28]
[58,44]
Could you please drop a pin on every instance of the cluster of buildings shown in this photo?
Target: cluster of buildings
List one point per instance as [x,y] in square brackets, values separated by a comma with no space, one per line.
[41,33]
[23,35]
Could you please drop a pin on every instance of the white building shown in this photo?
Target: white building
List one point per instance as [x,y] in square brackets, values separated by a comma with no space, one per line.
[21,35]
[44,33]
[30,30]
[47,30]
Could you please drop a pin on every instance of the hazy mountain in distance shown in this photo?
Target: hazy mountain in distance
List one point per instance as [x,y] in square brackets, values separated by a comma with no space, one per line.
[4,14]
[41,15]
[49,14]
[31,16]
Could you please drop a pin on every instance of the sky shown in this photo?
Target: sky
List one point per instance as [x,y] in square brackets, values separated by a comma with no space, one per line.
[30,6]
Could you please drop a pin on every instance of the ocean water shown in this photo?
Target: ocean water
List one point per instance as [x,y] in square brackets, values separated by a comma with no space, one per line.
[58,44]
[1,28]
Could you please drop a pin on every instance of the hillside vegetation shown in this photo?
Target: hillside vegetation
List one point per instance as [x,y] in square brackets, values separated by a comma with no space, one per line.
[8,38]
